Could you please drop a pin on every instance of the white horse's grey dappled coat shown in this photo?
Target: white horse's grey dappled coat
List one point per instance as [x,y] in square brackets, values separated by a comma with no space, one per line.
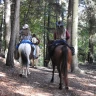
[24,58]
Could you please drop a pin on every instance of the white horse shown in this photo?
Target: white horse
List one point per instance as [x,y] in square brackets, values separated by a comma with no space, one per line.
[25,51]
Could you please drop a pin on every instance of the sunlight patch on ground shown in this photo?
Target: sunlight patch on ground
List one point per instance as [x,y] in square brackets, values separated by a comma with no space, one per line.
[2,74]
[3,60]
[25,90]
[42,94]
[72,76]
[83,92]
[93,85]
[94,77]
[26,86]
[89,93]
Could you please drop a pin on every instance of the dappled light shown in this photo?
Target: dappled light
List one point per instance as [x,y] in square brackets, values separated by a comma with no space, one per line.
[2,74]
[38,83]
[27,27]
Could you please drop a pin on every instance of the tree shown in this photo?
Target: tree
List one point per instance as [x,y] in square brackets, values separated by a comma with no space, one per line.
[69,21]
[91,11]
[7,22]
[74,32]
[10,56]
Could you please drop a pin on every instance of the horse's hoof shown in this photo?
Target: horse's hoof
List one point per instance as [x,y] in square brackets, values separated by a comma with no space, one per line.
[29,73]
[67,88]
[60,88]
[20,75]
[52,81]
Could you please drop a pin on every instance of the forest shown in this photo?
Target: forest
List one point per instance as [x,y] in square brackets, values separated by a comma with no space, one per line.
[41,16]
[79,17]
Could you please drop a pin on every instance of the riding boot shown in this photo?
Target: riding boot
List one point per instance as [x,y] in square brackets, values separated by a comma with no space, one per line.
[73,50]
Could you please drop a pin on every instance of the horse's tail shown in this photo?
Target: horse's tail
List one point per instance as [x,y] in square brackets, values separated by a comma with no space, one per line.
[24,58]
[64,60]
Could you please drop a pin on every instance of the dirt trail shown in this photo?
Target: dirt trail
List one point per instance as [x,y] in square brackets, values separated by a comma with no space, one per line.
[38,82]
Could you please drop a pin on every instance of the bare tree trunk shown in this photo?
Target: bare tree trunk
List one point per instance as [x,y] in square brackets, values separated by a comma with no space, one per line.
[7,23]
[2,29]
[10,56]
[74,33]
[69,21]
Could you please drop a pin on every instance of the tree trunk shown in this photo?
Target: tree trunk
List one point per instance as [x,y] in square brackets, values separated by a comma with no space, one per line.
[7,23]
[10,56]
[74,33]
[69,21]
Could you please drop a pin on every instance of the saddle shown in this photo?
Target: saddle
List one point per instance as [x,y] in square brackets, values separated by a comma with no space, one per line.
[52,48]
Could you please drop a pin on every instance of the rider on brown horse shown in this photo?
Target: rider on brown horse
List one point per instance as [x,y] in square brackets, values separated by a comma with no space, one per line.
[60,37]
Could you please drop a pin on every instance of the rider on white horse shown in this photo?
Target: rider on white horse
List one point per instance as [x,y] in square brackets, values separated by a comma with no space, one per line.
[25,37]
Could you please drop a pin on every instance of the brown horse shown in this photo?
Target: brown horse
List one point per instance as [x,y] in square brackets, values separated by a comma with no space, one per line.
[62,58]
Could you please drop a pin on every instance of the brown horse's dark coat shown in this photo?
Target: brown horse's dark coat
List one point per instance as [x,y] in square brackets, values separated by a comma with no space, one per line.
[62,58]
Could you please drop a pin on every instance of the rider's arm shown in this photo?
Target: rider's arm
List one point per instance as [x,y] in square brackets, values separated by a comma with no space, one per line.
[67,35]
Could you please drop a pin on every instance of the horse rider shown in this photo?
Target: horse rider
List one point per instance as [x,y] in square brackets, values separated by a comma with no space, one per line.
[25,33]
[35,41]
[60,38]
[25,37]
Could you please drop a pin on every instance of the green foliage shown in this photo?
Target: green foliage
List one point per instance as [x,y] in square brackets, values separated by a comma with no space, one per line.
[83,43]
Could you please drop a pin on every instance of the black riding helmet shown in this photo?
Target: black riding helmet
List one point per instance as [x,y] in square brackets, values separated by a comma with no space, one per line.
[59,24]
[34,35]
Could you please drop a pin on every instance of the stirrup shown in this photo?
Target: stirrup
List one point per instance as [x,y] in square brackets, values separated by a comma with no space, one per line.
[46,60]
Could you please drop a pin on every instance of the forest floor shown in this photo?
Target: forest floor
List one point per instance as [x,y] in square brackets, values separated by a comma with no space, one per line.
[38,82]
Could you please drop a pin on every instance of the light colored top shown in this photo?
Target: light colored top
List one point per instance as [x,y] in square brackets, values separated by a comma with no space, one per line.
[25,35]
[34,40]
[59,35]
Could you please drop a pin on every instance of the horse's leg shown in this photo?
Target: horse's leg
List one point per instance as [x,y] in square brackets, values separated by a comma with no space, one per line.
[66,81]
[28,67]
[21,71]
[26,70]
[52,80]
[33,62]
[36,62]
[60,76]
